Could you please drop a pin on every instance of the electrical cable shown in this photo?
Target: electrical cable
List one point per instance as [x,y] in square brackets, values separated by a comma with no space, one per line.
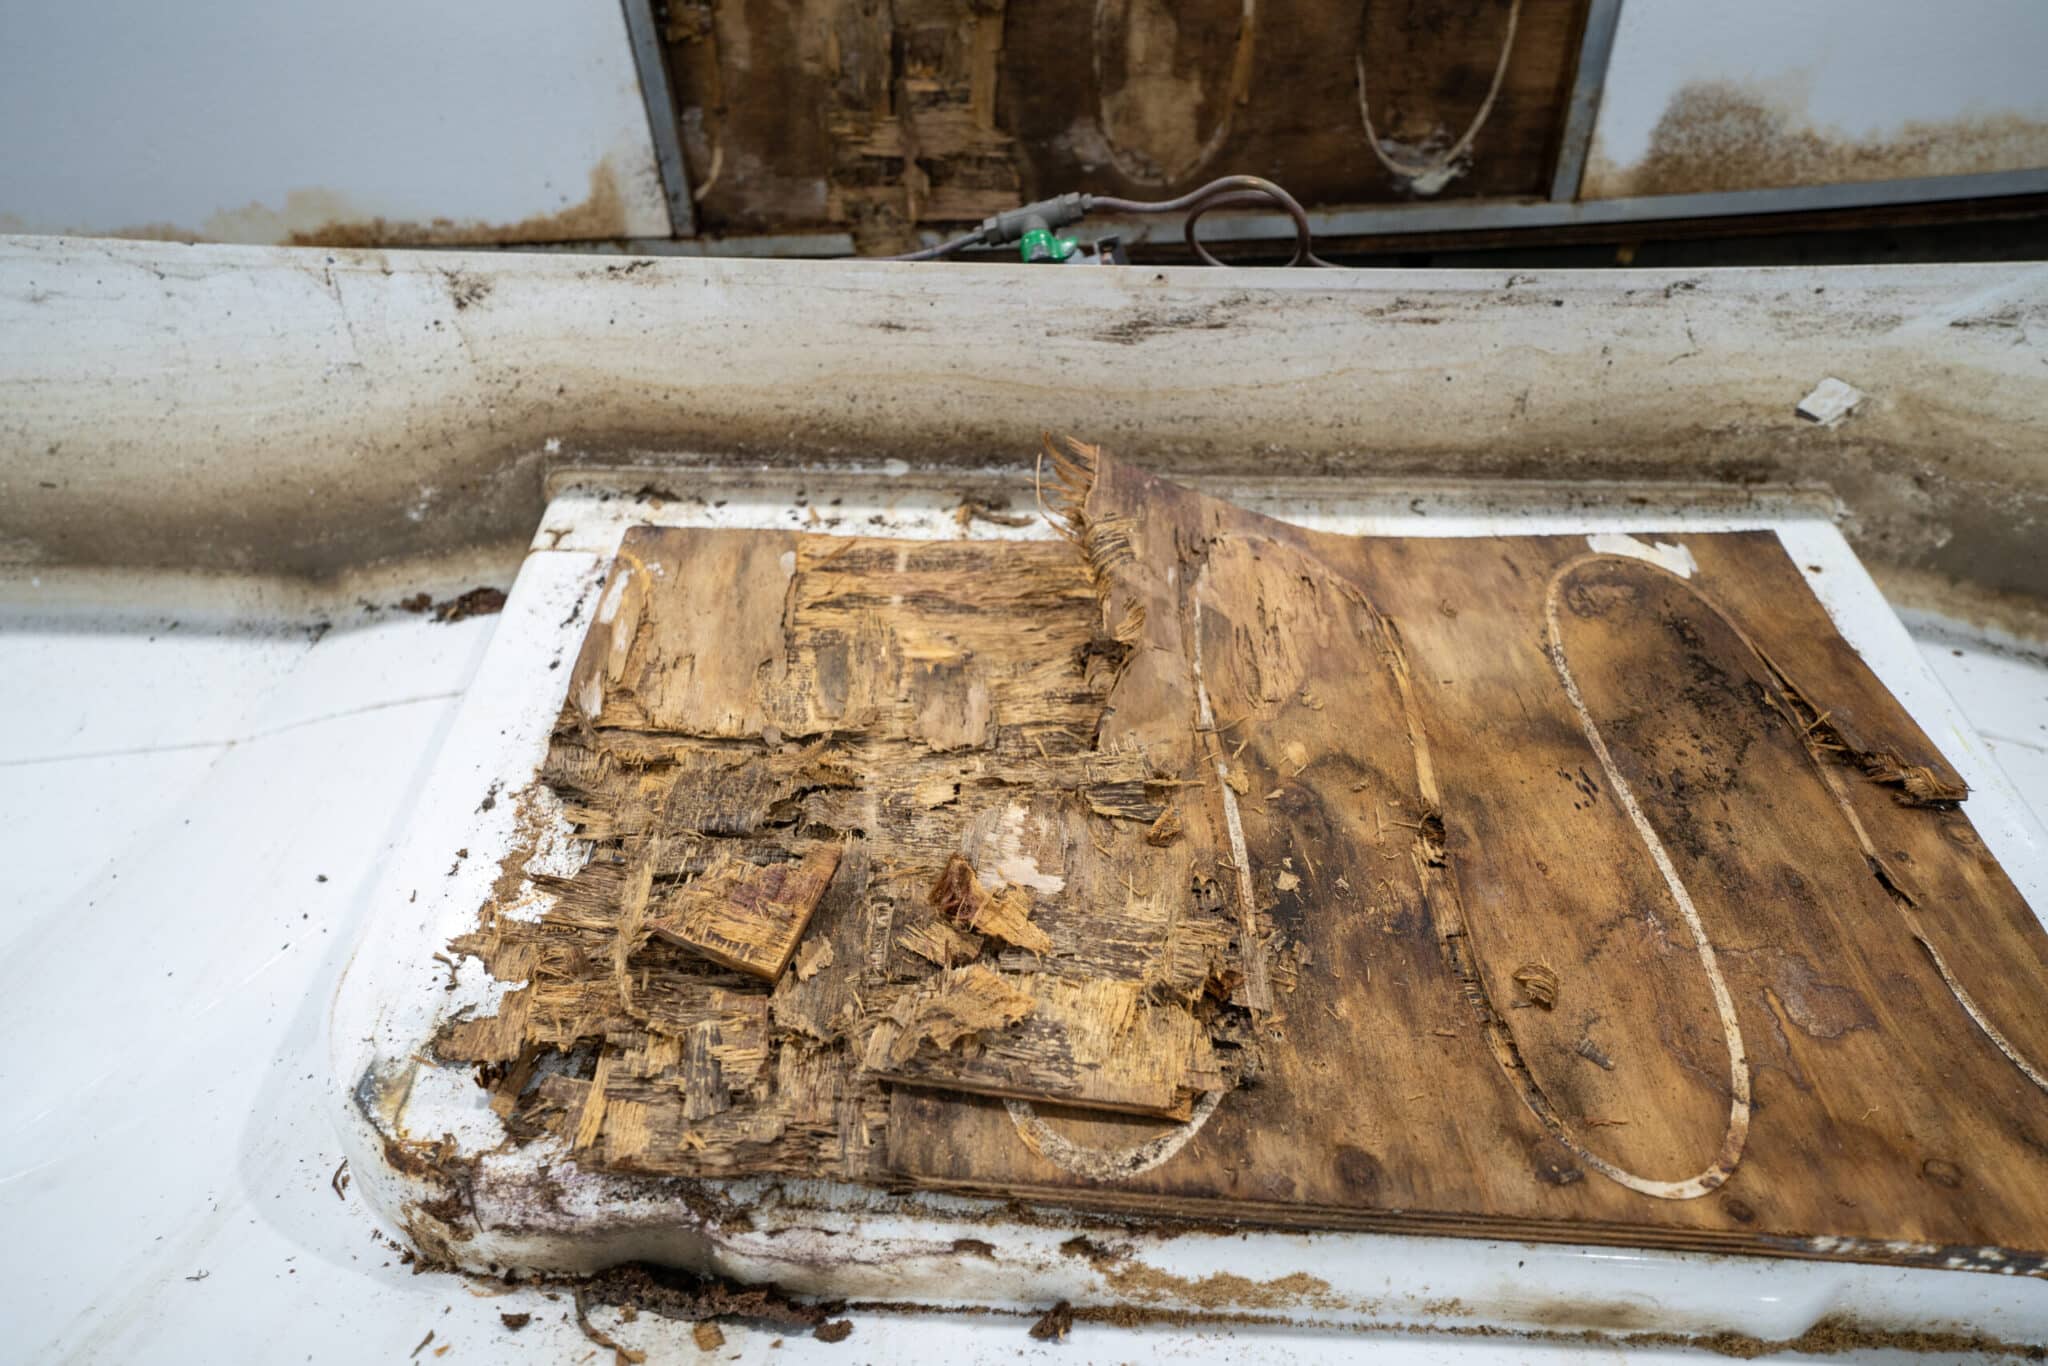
[960,243]
[1233,191]
[1226,191]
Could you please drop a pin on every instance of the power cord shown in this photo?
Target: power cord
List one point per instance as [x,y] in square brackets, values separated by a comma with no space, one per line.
[1034,225]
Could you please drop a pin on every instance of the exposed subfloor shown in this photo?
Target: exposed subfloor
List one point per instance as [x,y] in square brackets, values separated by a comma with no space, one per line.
[194,803]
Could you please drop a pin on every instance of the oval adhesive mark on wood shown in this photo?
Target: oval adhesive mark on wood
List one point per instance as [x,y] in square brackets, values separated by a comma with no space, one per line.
[1737,1132]
[1427,167]
[1107,1164]
[1150,122]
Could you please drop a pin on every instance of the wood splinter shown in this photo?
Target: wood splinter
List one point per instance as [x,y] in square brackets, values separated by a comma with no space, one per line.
[1004,915]
[1538,982]
[951,1010]
[745,916]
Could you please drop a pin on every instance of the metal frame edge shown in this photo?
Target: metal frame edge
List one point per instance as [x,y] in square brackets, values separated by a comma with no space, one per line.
[661,115]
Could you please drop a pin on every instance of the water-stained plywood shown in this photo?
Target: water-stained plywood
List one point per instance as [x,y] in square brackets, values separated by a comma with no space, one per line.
[850,826]
[942,112]
[1547,887]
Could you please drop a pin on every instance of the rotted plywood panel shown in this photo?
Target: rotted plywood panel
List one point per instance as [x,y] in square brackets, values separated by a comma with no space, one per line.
[944,111]
[1548,887]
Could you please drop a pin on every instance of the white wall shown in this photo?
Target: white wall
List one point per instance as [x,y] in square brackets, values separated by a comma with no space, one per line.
[1971,74]
[250,120]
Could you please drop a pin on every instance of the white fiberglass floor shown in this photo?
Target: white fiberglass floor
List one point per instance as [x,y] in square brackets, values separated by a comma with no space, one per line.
[192,811]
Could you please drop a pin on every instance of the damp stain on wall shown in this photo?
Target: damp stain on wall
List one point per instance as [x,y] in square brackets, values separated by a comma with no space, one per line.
[1724,135]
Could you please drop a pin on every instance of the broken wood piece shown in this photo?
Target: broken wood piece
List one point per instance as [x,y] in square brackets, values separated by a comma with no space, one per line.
[813,958]
[1004,914]
[955,1007]
[1095,1043]
[1538,982]
[746,916]
[1166,829]
[936,941]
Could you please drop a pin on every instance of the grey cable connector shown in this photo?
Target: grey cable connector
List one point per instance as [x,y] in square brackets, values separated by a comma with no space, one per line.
[1051,214]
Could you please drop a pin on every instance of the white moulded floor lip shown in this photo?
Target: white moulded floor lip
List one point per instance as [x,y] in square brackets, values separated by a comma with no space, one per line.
[534,1209]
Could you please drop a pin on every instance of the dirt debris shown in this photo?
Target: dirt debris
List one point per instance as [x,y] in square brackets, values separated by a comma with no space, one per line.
[690,1298]
[622,1355]
[1055,1323]
[477,602]
[972,510]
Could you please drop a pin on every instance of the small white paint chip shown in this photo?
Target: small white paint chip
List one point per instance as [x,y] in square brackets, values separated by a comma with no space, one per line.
[1830,402]
[1674,558]
[895,469]
[788,562]
[553,445]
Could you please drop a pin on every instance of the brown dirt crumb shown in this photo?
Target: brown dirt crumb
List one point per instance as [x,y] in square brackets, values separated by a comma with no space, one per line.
[680,1295]
[515,1322]
[477,602]
[1833,1336]
[1097,1255]
[836,1331]
[1055,1323]
[708,1335]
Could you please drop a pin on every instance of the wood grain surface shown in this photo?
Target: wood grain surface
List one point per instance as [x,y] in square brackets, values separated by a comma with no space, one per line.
[943,112]
[1541,887]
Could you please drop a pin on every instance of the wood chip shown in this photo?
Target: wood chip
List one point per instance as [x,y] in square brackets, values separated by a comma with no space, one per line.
[1004,915]
[813,958]
[747,916]
[957,1006]
[1538,984]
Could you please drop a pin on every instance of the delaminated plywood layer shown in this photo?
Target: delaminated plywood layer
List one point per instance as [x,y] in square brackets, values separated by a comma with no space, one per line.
[1520,886]
[850,822]
[941,112]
